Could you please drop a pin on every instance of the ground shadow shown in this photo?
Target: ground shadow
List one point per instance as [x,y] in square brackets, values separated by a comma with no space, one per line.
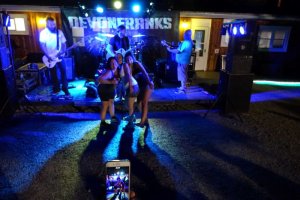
[92,166]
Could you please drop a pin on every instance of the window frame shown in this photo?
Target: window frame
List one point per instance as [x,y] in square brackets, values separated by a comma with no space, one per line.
[273,30]
[26,25]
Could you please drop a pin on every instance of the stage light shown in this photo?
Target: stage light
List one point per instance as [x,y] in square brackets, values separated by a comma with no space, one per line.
[86,14]
[83,7]
[5,19]
[234,30]
[242,30]
[151,3]
[136,8]
[99,9]
[118,4]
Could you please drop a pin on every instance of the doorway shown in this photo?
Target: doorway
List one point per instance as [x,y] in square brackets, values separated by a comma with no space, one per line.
[201,34]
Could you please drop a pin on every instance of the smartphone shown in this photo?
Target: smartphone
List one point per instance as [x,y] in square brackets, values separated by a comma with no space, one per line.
[118,179]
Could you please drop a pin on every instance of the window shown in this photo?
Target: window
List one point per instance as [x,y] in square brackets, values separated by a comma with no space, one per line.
[18,24]
[273,38]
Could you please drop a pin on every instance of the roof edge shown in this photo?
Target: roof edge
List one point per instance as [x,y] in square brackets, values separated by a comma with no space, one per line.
[30,8]
[225,15]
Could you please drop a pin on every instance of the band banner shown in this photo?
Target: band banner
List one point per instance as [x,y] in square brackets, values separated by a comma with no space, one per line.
[146,32]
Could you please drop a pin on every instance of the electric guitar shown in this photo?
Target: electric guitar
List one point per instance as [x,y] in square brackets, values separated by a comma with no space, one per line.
[167,44]
[50,63]
[123,51]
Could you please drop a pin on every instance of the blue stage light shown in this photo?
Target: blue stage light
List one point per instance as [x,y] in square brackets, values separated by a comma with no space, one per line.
[234,30]
[136,8]
[242,30]
[99,9]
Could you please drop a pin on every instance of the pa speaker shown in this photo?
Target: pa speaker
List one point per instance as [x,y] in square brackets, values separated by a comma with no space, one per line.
[2,38]
[234,92]
[239,64]
[4,58]
[8,97]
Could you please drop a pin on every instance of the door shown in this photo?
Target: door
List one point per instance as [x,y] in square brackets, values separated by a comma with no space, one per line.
[201,34]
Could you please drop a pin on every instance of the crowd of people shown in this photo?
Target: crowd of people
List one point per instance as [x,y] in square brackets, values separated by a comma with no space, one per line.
[124,77]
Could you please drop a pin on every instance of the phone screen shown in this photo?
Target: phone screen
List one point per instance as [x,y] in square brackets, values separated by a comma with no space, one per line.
[117,182]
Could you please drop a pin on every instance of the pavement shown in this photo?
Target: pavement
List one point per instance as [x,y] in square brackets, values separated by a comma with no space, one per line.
[182,155]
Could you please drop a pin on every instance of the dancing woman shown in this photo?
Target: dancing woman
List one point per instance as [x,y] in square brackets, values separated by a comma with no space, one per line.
[136,70]
[106,90]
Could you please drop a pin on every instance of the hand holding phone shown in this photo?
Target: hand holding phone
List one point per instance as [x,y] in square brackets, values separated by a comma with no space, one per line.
[118,179]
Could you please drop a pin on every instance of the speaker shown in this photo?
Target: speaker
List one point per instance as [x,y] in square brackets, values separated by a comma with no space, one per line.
[8,97]
[171,71]
[2,38]
[234,92]
[4,58]
[239,64]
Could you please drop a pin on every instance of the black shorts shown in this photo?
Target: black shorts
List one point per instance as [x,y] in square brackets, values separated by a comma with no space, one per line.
[143,85]
[106,91]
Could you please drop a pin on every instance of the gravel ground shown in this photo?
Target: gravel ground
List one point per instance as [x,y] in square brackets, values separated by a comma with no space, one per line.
[181,155]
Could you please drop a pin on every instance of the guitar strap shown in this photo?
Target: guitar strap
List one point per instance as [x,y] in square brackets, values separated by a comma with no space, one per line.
[57,40]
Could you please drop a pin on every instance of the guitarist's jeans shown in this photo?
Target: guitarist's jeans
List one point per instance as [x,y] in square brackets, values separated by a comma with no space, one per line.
[63,77]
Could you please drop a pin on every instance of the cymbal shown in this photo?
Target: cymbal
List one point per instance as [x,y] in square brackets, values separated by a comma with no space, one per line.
[100,39]
[138,35]
[107,34]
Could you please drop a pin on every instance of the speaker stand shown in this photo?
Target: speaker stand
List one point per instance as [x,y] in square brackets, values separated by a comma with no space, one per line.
[215,103]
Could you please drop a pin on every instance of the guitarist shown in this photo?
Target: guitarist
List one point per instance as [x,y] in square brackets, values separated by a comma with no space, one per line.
[53,44]
[119,41]
[183,56]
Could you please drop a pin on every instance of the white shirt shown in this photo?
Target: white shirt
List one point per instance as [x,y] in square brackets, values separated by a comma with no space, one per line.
[50,39]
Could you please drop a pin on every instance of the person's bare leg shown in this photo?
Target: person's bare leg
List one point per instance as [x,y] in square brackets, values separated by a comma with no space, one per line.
[103,110]
[111,107]
[145,107]
[131,105]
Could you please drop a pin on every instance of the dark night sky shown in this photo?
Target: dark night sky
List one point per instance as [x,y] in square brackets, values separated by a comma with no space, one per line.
[287,7]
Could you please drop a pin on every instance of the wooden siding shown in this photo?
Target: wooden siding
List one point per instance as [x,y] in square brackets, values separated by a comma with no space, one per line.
[24,44]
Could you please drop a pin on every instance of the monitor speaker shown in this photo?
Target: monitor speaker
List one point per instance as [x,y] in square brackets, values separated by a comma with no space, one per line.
[234,92]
